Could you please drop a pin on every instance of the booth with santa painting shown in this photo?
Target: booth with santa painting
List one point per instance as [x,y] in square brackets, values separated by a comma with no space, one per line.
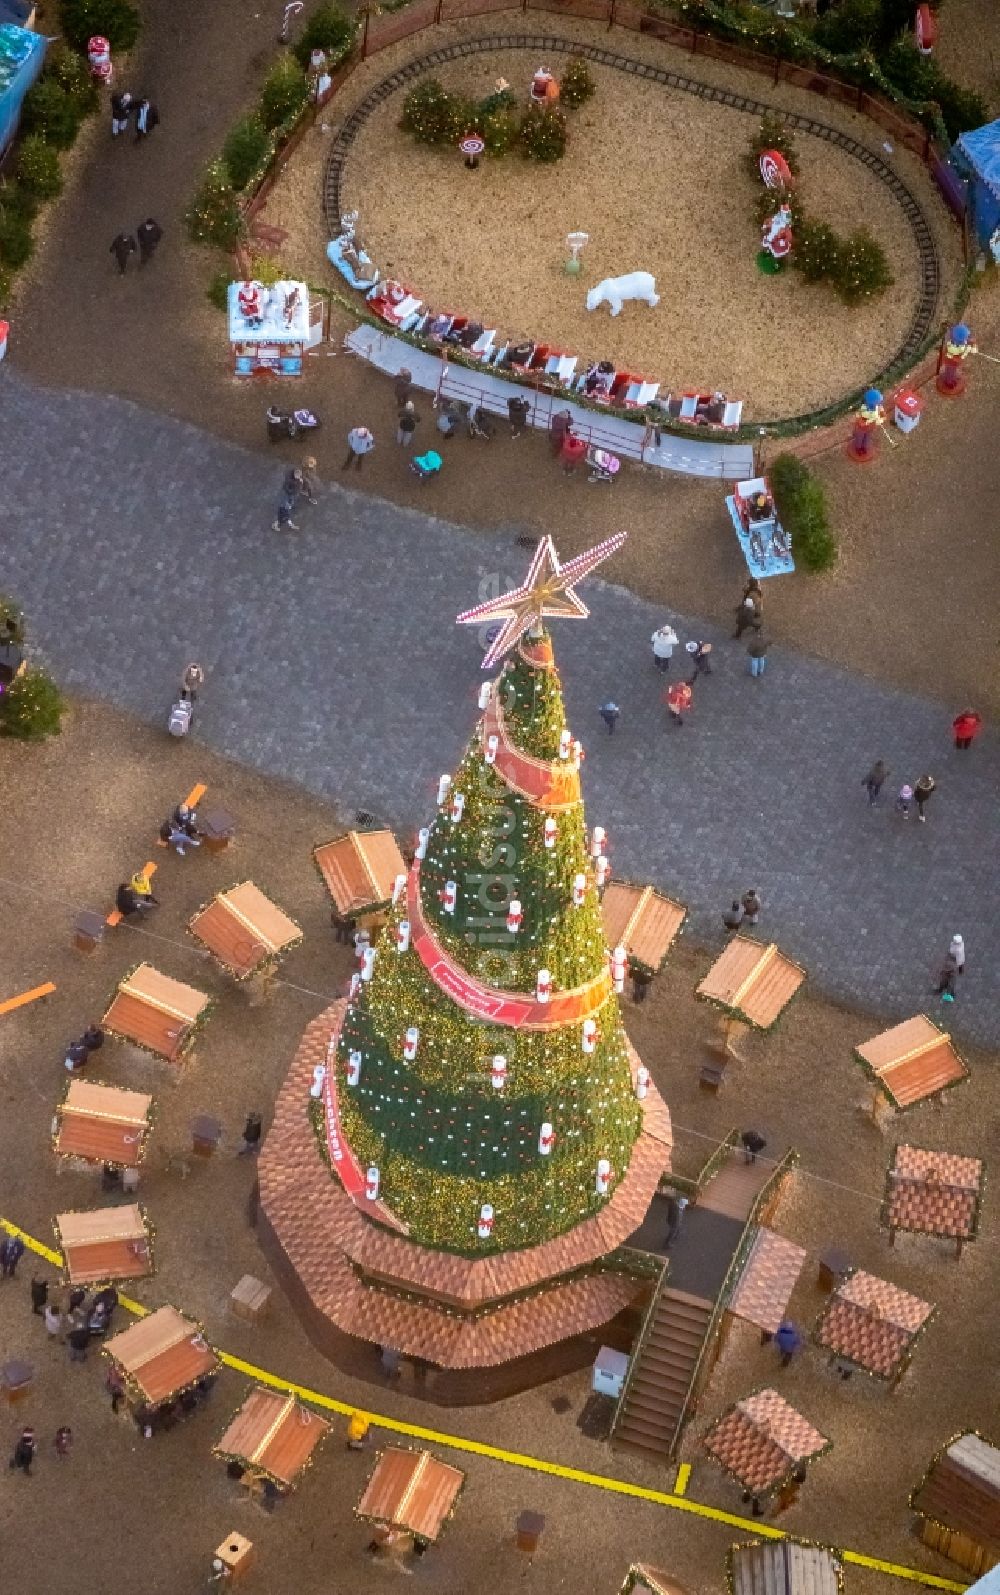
[271,326]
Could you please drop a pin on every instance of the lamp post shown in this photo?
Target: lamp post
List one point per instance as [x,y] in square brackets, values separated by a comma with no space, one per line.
[575,242]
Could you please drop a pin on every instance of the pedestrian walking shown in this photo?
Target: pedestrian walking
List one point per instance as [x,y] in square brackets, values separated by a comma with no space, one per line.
[642,979]
[450,419]
[11,1252]
[121,247]
[286,507]
[114,1384]
[788,1341]
[560,427]
[146,118]
[966,727]
[922,792]
[149,234]
[753,1144]
[664,641]
[39,1294]
[357,1432]
[93,1037]
[957,951]
[749,611]
[903,800]
[310,482]
[946,983]
[77,1297]
[518,411]
[757,655]
[733,918]
[53,1321]
[78,1339]
[875,780]
[699,652]
[402,386]
[121,110]
[751,906]
[359,443]
[64,1440]
[24,1452]
[609,713]
[77,1057]
[407,424]
[676,1205]
[192,681]
[678,700]
[250,1140]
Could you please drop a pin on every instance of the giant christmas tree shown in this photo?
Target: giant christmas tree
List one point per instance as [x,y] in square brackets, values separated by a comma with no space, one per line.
[480,1095]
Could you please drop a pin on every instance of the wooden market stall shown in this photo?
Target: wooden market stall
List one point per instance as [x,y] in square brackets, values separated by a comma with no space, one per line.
[272,1436]
[641,1579]
[784,1567]
[107,1244]
[162,1355]
[909,1063]
[933,1193]
[155,1012]
[103,1124]
[411,1491]
[360,870]
[959,1503]
[244,930]
[870,1324]
[752,982]
[764,1444]
[642,921]
[766,1280]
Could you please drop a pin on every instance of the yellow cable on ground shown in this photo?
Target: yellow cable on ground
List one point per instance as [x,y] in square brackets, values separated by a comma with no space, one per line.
[677,1501]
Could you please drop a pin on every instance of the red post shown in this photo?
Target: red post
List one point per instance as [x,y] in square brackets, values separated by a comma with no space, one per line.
[364,36]
[437,11]
[611,15]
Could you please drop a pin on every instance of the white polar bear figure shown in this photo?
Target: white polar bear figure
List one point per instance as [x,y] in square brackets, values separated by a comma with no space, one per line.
[615,290]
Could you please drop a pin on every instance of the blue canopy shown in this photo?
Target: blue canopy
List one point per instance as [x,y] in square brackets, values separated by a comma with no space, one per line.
[977,157]
[21,57]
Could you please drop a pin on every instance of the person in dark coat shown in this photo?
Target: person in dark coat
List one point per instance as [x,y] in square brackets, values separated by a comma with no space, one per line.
[146,118]
[39,1294]
[875,780]
[751,906]
[642,979]
[518,410]
[250,1141]
[149,234]
[93,1037]
[753,1144]
[749,612]
[78,1340]
[11,1252]
[734,918]
[114,1384]
[121,110]
[122,246]
[24,1451]
[77,1057]
[788,1341]
[922,791]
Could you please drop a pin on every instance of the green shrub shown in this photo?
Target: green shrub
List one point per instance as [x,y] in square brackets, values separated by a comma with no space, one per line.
[18,202]
[72,74]
[429,113]
[801,504]
[542,135]
[285,91]
[499,100]
[50,112]
[960,108]
[245,150]
[117,20]
[772,134]
[328,29]
[912,74]
[37,168]
[32,707]
[851,25]
[16,242]
[862,269]
[499,130]
[265,269]
[6,285]
[576,86]
[768,200]
[217,292]
[214,217]
[816,251]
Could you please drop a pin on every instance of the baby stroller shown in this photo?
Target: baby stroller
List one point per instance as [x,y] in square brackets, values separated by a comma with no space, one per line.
[426,465]
[282,424]
[603,467]
[480,423]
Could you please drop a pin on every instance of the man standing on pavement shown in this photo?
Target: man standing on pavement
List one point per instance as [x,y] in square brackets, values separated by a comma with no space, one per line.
[749,611]
[751,906]
[664,641]
[360,441]
[921,792]
[788,1341]
[609,713]
[699,652]
[875,780]
[11,1252]
[146,118]
[121,248]
[149,234]
[757,654]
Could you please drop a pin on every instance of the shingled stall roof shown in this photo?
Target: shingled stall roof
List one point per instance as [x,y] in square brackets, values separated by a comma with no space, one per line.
[642,921]
[273,1434]
[762,1440]
[243,929]
[411,1490]
[872,1324]
[360,869]
[962,1491]
[933,1193]
[752,982]
[912,1061]
[103,1124]
[784,1567]
[641,1579]
[162,1354]
[765,1285]
[108,1243]
[155,1012]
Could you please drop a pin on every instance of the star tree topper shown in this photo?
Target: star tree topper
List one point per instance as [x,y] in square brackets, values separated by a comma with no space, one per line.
[546,590]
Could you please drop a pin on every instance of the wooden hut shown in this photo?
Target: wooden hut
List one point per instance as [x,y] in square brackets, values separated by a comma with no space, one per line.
[411,1491]
[273,1436]
[909,1063]
[766,1280]
[751,982]
[162,1355]
[933,1193]
[244,930]
[763,1443]
[360,870]
[110,1243]
[784,1567]
[641,1579]
[959,1503]
[103,1124]
[870,1324]
[642,921]
[155,1012]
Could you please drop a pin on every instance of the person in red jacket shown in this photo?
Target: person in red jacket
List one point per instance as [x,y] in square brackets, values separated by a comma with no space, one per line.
[966,727]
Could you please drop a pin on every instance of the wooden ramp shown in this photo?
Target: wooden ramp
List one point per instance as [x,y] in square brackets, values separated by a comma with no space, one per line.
[671,1344]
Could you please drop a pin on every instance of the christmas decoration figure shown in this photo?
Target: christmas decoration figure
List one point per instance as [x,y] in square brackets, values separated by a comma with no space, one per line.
[776,235]
[485,693]
[602,869]
[498,1076]
[398,888]
[546,1139]
[372,1184]
[367,963]
[410,1043]
[565,744]
[403,936]
[449,897]
[603,1179]
[444,786]
[354,1068]
[619,965]
[457,807]
[550,831]
[99,60]
[579,890]
[485,1228]
[863,447]
[515,914]
[588,1036]
[956,348]
[354,987]
[544,88]
[492,744]
[642,1082]
[598,838]
[319,1076]
[543,986]
[420,851]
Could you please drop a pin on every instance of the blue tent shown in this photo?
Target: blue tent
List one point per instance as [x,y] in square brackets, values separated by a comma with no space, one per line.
[976,156]
[21,57]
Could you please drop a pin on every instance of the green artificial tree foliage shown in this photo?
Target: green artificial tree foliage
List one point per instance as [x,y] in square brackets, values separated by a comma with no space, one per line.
[285,91]
[445,1139]
[37,168]
[32,707]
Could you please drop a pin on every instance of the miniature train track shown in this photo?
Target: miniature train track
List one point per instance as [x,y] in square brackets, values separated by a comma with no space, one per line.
[925,314]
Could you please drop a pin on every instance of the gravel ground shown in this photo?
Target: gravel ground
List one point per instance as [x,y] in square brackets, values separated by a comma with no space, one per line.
[968,47]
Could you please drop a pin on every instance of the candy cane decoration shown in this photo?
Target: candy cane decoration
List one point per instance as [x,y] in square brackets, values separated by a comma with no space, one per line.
[457,807]
[543,986]
[549,833]
[444,787]
[492,745]
[588,1037]
[410,1043]
[546,1139]
[485,1222]
[354,1068]
[579,890]
[291,10]
[641,1082]
[449,897]
[498,1075]
[403,936]
[372,1184]
[603,1180]
[423,837]
[514,916]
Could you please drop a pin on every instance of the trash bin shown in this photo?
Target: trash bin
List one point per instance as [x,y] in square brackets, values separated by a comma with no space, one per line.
[88,931]
[529,1531]
[217,829]
[206,1133]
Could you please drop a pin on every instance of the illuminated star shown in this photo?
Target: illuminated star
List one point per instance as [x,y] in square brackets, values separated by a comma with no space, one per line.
[546,590]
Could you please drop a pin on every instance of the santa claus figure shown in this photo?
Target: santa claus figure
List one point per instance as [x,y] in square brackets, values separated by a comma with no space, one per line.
[250,302]
[544,88]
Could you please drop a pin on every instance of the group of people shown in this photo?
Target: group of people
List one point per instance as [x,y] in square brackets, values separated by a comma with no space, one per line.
[26,1447]
[125,111]
[79,1052]
[745,910]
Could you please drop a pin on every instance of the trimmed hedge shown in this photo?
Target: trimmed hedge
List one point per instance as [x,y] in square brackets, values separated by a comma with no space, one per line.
[51,113]
[330,29]
[284,93]
[32,707]
[116,20]
[800,500]
[247,145]
[214,215]
[37,168]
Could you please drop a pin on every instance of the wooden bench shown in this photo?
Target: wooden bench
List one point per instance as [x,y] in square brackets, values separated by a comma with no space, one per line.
[116,916]
[192,800]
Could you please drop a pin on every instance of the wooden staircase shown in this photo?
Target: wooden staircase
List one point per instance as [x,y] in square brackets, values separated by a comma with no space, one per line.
[659,1383]
[734,1189]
